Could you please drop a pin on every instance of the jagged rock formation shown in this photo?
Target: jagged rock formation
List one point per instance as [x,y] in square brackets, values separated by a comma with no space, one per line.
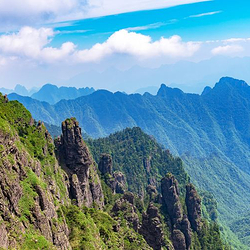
[181,228]
[151,228]
[118,184]
[170,194]
[116,181]
[36,195]
[153,194]
[105,164]
[74,157]
[27,197]
[125,206]
[193,202]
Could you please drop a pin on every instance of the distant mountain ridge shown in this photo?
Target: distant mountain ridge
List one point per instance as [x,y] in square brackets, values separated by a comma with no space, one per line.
[49,93]
[20,90]
[53,94]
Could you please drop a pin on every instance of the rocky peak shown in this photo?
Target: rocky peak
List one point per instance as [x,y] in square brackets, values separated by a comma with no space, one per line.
[170,195]
[105,164]
[193,203]
[75,150]
[74,157]
[227,83]
[116,181]
[125,208]
[151,228]
[181,229]
[166,91]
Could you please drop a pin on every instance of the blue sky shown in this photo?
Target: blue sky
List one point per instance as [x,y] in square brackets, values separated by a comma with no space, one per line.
[222,19]
[56,40]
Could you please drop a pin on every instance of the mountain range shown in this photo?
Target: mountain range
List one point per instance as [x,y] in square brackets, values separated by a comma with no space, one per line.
[49,93]
[209,131]
[193,78]
[53,195]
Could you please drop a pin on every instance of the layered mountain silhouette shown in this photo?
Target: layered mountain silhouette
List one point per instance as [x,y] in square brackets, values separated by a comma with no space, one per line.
[49,93]
[211,132]
[52,94]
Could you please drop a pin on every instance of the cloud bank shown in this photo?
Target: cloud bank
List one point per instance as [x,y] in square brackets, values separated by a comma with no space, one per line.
[33,44]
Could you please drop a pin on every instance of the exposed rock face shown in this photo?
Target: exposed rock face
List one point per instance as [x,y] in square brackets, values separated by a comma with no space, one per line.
[16,168]
[119,183]
[193,202]
[181,228]
[186,230]
[178,240]
[151,228]
[4,240]
[116,181]
[153,194]
[105,164]
[126,207]
[74,157]
[170,195]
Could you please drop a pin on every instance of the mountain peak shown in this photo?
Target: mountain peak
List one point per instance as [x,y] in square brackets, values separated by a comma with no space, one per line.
[232,82]
[167,91]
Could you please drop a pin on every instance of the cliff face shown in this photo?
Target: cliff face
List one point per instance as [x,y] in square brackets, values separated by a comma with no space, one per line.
[181,228]
[74,157]
[116,181]
[151,227]
[193,202]
[29,199]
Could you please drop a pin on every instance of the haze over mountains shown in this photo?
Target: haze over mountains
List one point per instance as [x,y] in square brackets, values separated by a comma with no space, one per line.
[210,132]
[50,93]
[193,78]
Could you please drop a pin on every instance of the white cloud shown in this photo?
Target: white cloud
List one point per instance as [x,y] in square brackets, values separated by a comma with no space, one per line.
[205,14]
[108,7]
[234,40]
[140,46]
[227,50]
[151,26]
[27,12]
[27,42]
[30,43]
[33,44]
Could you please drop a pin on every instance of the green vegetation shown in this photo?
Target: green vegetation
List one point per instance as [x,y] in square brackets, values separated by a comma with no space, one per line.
[210,132]
[139,157]
[36,241]
[94,229]
[28,165]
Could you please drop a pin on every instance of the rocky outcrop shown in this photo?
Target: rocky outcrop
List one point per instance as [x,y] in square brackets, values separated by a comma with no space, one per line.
[170,195]
[27,199]
[181,228]
[73,154]
[116,181]
[105,164]
[125,208]
[193,202]
[153,194]
[118,184]
[151,228]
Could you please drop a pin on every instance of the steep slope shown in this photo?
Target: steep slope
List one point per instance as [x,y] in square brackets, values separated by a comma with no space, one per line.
[44,206]
[35,200]
[139,157]
[30,195]
[52,94]
[210,132]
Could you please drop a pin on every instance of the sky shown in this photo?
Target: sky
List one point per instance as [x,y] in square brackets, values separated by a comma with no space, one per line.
[55,40]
